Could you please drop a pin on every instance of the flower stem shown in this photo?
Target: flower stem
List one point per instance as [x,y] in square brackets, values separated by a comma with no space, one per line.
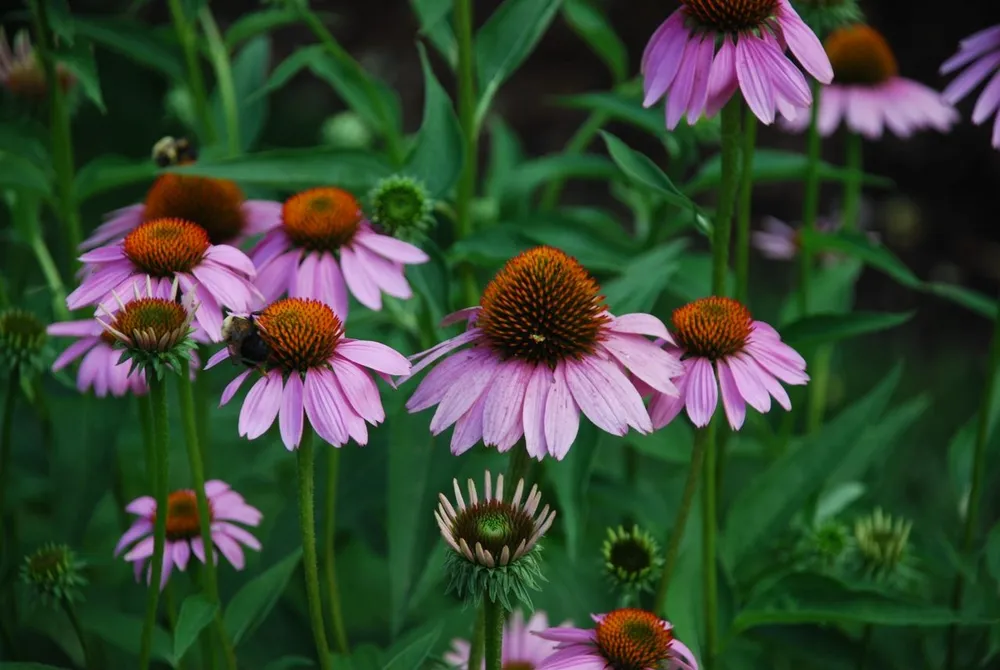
[211,585]
[74,621]
[160,468]
[196,81]
[818,386]
[467,121]
[146,424]
[329,555]
[701,438]
[708,525]
[307,519]
[852,186]
[727,194]
[978,476]
[477,641]
[810,206]
[743,212]
[219,56]
[493,628]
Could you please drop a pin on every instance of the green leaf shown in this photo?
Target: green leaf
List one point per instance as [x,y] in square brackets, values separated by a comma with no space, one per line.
[249,69]
[79,59]
[289,662]
[415,652]
[993,552]
[490,247]
[823,328]
[18,173]
[294,169]
[505,41]
[570,481]
[529,175]
[641,170]
[645,276]
[250,606]
[836,499]
[135,40]
[860,246]
[253,24]
[832,290]
[621,107]
[108,172]
[29,666]
[433,15]
[123,631]
[196,613]
[25,139]
[594,28]
[973,300]
[771,498]
[437,157]
[595,245]
[288,68]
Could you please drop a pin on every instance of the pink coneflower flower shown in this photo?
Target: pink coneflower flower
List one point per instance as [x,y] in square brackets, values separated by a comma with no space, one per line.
[22,74]
[717,336]
[312,368]
[544,348]
[981,52]
[625,638]
[165,249]
[867,93]
[226,507]
[521,649]
[100,368]
[321,245]
[708,49]
[779,241]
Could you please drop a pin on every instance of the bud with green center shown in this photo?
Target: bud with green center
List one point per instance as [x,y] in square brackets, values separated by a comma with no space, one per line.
[632,560]
[494,542]
[825,16]
[825,545]
[883,548]
[402,207]
[54,574]
[24,349]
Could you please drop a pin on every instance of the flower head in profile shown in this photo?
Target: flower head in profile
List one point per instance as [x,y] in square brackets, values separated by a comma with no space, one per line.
[321,245]
[101,368]
[24,349]
[722,346]
[521,649]
[632,559]
[228,513]
[311,371]
[165,250]
[22,74]
[630,639]
[868,95]
[402,207]
[494,542]
[544,348]
[54,574]
[709,49]
[979,54]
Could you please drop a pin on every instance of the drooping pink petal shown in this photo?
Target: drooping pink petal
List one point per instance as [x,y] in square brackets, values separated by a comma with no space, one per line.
[182,552]
[533,413]
[732,401]
[97,287]
[118,223]
[458,400]
[260,408]
[504,403]
[321,407]
[374,355]
[391,248]
[640,324]
[425,358]
[388,275]
[804,43]
[360,390]
[680,92]
[747,382]
[650,363]
[702,394]
[260,216]
[611,381]
[358,280]
[290,414]
[138,529]
[603,411]
[662,57]
[230,549]
[722,81]
[108,254]
[440,380]
[232,258]
[276,275]
[469,427]
[562,416]
[74,351]
[753,77]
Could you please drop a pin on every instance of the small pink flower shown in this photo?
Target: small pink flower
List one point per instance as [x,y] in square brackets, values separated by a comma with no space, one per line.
[100,368]
[312,369]
[624,638]
[167,249]
[867,93]
[544,348]
[313,231]
[708,49]
[226,509]
[718,337]
[781,242]
[981,52]
[521,649]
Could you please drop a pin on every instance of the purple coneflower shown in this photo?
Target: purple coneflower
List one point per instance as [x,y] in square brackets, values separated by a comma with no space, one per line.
[22,74]
[521,649]
[981,52]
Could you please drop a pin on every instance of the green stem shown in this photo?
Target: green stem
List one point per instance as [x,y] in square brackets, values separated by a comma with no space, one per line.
[727,194]
[743,211]
[701,438]
[819,386]
[202,403]
[852,186]
[196,81]
[467,121]
[810,207]
[519,466]
[476,644]
[219,55]
[160,468]
[581,140]
[74,621]
[307,519]
[708,524]
[978,477]
[185,394]
[146,425]
[493,628]
[45,262]
[60,135]
[329,552]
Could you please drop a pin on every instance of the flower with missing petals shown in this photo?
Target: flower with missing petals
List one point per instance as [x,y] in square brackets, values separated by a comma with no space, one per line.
[625,639]
[544,348]
[722,346]
[979,54]
[494,541]
[521,649]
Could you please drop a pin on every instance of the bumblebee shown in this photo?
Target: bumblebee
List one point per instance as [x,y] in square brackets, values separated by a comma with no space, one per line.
[244,342]
[174,151]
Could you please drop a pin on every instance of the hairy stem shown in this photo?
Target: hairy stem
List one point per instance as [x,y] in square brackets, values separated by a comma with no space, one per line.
[307,520]
[470,133]
[160,468]
[493,627]
[329,553]
[476,644]
[709,530]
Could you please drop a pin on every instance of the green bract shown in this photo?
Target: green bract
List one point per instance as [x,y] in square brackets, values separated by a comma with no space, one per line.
[402,207]
[53,574]
[632,559]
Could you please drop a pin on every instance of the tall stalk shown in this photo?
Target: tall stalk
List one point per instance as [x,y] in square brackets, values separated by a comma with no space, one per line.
[727,194]
[188,39]
[470,134]
[477,641]
[307,520]
[709,530]
[810,206]
[219,54]
[743,211]
[493,628]
[329,555]
[853,162]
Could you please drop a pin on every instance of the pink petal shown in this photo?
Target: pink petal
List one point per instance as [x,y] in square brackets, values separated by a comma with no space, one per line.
[217,357]
[358,281]
[702,394]
[360,390]
[233,387]
[469,427]
[804,44]
[182,552]
[391,248]
[374,355]
[138,529]
[118,223]
[261,216]
[533,413]
[387,274]
[751,73]
[290,414]
[562,416]
[662,57]
[504,403]
[260,408]
[440,380]
[650,363]
[732,402]
[232,258]
[277,275]
[463,394]
[321,407]
[602,410]
[641,324]
[230,549]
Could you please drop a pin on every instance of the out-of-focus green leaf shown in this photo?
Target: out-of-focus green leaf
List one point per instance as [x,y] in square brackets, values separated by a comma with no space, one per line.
[18,173]
[977,302]
[253,24]
[249,71]
[597,247]
[962,445]
[570,481]
[993,552]
[621,107]
[24,139]
[693,277]
[107,172]
[528,176]
[823,328]
[29,666]
[832,290]
[506,154]
[123,631]
[196,613]
[413,654]
[433,15]
[79,59]
[437,158]
[777,493]
[594,28]
[250,606]
[641,170]
[836,499]
[505,41]
[135,40]
[637,289]
[288,68]
[861,247]
[289,662]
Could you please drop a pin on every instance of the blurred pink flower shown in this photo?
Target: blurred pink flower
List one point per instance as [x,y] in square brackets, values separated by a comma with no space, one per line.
[100,368]
[22,74]
[779,241]
[981,52]
[312,232]
[544,348]
[521,649]
[708,49]
[226,509]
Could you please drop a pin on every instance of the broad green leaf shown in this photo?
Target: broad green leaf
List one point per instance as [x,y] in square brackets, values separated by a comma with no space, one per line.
[831,290]
[433,15]
[123,631]
[642,170]
[770,166]
[570,481]
[693,278]
[506,154]
[505,41]
[249,67]
[977,302]
[250,606]
[594,28]
[490,247]
[864,249]
[294,169]
[288,68]
[638,287]
[530,175]
[595,245]
[770,499]
[108,172]
[837,499]
[26,139]
[438,156]
[993,552]
[79,59]
[18,173]
[621,107]
[135,40]
[415,652]
[196,613]
[253,24]
[825,328]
